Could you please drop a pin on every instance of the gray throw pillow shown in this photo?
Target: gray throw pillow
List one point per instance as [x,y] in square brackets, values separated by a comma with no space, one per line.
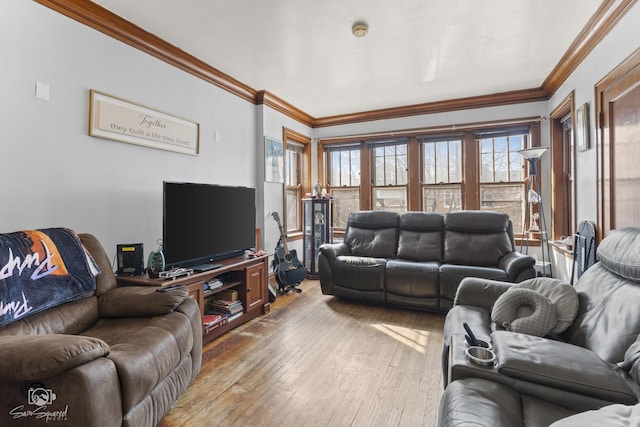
[562,295]
[524,311]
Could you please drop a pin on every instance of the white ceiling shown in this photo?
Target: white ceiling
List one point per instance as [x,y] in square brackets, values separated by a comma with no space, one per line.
[417,51]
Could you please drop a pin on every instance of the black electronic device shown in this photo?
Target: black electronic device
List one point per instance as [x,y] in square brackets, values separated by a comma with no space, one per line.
[204,223]
[130,259]
[471,337]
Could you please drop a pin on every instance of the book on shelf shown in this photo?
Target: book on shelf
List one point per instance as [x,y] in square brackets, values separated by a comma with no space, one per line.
[230,307]
[213,284]
[213,321]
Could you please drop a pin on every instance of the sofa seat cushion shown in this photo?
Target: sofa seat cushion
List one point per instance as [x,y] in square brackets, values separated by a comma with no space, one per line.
[478,402]
[412,284]
[360,273]
[144,350]
[412,279]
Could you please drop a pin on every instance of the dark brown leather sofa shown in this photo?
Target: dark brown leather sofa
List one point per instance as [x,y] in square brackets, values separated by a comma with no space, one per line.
[594,365]
[417,259]
[119,357]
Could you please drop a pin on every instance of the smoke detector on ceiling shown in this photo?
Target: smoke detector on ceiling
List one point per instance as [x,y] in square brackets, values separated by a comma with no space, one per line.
[360,29]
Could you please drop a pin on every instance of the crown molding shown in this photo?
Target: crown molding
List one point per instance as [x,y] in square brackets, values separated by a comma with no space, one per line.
[605,18]
[496,99]
[279,104]
[105,21]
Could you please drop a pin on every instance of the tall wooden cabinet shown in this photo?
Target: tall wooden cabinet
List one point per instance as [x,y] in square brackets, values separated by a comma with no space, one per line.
[316,226]
[248,277]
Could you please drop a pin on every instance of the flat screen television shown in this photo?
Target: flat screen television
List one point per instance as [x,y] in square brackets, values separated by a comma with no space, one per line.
[204,223]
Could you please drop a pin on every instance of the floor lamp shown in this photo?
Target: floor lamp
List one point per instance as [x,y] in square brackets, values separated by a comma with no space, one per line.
[532,197]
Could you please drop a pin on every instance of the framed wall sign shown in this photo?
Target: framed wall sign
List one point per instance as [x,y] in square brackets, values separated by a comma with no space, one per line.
[120,120]
[582,127]
[273,160]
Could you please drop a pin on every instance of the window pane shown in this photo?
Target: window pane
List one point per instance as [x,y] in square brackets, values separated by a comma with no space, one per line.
[344,168]
[401,170]
[442,199]
[355,167]
[486,167]
[379,175]
[293,222]
[442,162]
[390,171]
[293,159]
[335,169]
[428,163]
[345,200]
[390,199]
[507,198]
[499,161]
[516,167]
[455,161]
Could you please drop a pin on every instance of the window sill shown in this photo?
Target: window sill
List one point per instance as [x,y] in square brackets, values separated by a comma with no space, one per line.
[560,247]
[294,235]
[520,241]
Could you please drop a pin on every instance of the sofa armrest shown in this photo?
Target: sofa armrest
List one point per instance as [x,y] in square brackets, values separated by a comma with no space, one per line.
[334,250]
[480,292]
[515,264]
[140,301]
[559,365]
[33,357]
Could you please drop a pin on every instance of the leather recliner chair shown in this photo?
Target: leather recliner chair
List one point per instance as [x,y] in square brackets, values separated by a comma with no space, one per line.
[121,356]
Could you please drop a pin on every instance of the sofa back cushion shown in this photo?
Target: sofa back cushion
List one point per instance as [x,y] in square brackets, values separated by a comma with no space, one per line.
[477,238]
[607,320]
[372,233]
[420,236]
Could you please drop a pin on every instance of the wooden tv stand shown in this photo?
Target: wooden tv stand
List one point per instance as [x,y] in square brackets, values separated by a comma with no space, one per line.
[247,276]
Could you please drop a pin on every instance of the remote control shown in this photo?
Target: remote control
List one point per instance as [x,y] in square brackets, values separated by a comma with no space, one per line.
[471,338]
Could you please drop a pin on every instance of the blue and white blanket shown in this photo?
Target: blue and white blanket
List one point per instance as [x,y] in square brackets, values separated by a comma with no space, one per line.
[40,269]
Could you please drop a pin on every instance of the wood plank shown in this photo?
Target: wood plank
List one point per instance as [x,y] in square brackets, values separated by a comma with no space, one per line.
[320,361]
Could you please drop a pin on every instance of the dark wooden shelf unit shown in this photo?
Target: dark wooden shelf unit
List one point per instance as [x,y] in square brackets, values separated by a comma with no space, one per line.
[247,276]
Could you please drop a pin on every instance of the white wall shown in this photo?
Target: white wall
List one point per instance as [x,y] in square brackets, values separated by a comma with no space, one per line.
[271,125]
[53,174]
[621,42]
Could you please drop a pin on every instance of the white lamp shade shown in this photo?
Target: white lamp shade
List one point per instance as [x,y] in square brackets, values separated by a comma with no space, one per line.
[532,153]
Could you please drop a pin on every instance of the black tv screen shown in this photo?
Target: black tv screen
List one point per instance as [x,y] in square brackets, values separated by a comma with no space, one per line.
[203,223]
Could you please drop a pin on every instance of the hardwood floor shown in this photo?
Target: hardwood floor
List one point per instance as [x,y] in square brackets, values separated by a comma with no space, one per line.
[315,360]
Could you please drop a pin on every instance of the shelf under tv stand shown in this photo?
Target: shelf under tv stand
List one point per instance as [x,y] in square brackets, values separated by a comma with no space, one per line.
[248,276]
